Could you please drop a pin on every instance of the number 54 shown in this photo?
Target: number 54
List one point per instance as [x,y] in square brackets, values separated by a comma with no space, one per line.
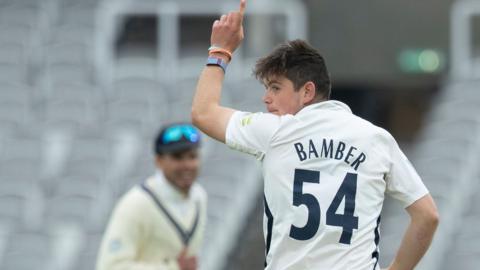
[347,221]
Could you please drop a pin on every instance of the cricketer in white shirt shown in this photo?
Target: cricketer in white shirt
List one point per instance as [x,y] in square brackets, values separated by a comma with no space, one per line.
[325,175]
[143,236]
[325,170]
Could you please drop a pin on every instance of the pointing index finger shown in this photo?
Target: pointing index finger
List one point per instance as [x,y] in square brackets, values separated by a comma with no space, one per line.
[243,4]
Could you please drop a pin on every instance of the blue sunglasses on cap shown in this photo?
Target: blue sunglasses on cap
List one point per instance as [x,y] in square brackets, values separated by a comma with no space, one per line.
[175,134]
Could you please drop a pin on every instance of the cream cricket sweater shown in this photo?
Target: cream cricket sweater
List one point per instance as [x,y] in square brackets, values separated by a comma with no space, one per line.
[141,235]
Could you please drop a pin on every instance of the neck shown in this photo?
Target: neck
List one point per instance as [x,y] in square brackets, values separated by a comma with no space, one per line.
[183,191]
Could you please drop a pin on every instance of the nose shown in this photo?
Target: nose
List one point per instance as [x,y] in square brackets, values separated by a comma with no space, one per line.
[190,164]
[267,98]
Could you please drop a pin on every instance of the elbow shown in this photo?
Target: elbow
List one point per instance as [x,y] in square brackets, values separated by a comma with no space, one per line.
[429,225]
[197,118]
[202,116]
[425,213]
[434,218]
[430,219]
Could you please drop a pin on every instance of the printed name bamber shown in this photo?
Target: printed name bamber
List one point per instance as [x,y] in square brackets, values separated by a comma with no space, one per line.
[330,149]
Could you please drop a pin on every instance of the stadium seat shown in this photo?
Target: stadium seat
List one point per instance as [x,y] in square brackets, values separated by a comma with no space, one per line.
[21,169]
[72,90]
[246,95]
[68,72]
[32,4]
[26,250]
[140,114]
[79,15]
[42,248]
[94,146]
[12,73]
[78,200]
[73,33]
[143,166]
[57,145]
[11,52]
[21,203]
[67,243]
[62,53]
[136,67]
[17,14]
[74,109]
[22,144]
[72,4]
[21,33]
[135,87]
[87,256]
[16,105]
[138,103]
[126,149]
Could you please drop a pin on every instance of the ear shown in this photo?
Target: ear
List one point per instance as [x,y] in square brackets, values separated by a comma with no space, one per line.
[309,92]
[159,161]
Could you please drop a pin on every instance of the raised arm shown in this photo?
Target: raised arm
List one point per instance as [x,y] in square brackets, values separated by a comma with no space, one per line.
[419,234]
[207,114]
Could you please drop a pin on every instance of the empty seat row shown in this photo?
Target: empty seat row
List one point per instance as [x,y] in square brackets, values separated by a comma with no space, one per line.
[52,248]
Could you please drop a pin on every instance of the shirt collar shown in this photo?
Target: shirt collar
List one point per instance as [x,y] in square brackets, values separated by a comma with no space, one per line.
[166,188]
[331,105]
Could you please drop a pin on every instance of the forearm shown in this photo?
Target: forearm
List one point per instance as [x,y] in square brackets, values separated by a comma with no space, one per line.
[419,234]
[207,114]
[415,243]
[208,93]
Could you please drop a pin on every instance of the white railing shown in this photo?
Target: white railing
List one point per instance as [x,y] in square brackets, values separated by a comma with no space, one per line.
[464,63]
[169,13]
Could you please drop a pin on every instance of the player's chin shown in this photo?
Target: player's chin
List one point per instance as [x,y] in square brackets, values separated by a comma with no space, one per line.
[275,112]
[186,179]
[184,184]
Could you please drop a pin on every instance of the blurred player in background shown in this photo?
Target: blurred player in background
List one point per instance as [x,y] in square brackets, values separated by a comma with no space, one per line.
[159,225]
[326,171]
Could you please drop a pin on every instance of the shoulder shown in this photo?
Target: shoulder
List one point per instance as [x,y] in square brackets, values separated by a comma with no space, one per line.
[369,129]
[385,138]
[245,119]
[383,135]
[383,144]
[380,141]
[133,203]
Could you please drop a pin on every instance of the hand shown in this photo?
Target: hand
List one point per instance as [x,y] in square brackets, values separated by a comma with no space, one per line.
[186,262]
[227,32]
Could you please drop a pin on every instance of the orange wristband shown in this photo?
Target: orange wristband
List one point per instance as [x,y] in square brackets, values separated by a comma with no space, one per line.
[215,49]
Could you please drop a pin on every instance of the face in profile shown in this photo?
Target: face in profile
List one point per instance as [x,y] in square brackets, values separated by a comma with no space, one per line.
[180,168]
[280,96]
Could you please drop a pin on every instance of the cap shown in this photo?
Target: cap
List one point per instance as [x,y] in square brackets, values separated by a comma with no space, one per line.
[176,138]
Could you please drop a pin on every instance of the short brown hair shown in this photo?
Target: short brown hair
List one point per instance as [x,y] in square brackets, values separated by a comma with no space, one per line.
[300,63]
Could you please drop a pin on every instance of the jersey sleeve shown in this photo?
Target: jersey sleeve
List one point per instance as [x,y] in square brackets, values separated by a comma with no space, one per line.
[251,132]
[403,181]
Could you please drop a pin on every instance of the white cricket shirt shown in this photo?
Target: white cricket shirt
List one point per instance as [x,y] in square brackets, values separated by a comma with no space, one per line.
[325,175]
